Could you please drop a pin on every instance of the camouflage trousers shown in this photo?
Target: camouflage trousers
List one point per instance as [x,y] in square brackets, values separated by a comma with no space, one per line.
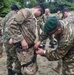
[68,68]
[12,57]
[28,61]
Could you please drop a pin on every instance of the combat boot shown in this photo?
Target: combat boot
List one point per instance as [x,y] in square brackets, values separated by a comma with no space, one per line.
[11,72]
[19,73]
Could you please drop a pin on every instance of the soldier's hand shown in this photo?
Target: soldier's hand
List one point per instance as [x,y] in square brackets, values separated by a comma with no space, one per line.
[37,45]
[40,51]
[24,44]
[11,41]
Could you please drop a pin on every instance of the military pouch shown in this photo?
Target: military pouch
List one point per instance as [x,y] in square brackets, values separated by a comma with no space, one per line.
[24,56]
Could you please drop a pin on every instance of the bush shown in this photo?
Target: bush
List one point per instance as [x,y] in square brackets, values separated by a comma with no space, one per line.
[5,6]
[59,5]
[72,6]
[53,6]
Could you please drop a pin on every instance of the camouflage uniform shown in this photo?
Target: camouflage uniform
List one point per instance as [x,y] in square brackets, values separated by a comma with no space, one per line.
[1,44]
[57,69]
[40,24]
[58,16]
[10,49]
[47,16]
[65,49]
[23,27]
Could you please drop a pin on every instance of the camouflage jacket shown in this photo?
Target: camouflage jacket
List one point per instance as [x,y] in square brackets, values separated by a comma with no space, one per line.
[23,26]
[41,21]
[47,16]
[7,17]
[65,49]
[5,25]
[59,16]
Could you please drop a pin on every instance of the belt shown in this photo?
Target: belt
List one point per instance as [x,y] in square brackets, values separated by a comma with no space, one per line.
[18,45]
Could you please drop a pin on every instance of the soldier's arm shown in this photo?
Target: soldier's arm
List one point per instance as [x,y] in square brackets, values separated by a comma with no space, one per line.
[6,18]
[43,36]
[64,46]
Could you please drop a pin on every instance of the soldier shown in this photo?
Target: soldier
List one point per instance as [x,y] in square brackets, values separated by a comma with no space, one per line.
[52,41]
[42,20]
[22,37]
[1,44]
[66,13]
[40,26]
[47,13]
[11,57]
[64,31]
[58,15]
[57,69]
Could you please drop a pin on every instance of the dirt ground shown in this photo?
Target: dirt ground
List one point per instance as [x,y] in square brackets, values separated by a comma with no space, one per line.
[45,66]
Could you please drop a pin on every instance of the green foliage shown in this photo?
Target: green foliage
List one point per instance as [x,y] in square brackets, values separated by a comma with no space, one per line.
[53,6]
[72,6]
[31,4]
[59,5]
[40,1]
[5,6]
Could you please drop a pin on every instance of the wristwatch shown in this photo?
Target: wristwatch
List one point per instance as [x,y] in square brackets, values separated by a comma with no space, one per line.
[44,51]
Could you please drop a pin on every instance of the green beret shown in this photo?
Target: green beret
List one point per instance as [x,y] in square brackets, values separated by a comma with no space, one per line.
[51,24]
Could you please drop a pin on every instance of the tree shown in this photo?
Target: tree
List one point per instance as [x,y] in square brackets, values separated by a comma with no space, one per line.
[5,6]
[40,1]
